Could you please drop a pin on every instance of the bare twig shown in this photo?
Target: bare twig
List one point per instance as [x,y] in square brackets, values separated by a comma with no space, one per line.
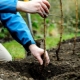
[43,56]
[61,31]
[76,3]
[44,39]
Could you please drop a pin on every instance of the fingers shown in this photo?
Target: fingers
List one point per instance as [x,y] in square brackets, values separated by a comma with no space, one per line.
[46,58]
[44,8]
[46,3]
[42,13]
[40,60]
[38,53]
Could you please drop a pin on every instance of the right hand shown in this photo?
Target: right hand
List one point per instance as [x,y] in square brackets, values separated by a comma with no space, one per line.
[35,6]
[38,52]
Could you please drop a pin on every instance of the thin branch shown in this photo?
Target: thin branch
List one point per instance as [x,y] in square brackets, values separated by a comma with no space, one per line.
[44,40]
[76,3]
[61,31]
[43,56]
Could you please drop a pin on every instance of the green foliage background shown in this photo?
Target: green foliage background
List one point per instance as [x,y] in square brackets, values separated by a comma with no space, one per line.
[52,26]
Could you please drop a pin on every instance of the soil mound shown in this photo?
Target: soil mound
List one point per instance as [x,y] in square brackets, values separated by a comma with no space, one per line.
[67,68]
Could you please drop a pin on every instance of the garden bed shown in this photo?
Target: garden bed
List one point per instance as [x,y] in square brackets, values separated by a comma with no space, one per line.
[67,68]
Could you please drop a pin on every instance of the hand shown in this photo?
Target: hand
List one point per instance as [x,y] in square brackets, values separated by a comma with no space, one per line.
[38,52]
[35,6]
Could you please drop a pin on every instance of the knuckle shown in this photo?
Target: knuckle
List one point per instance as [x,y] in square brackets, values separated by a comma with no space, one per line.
[38,5]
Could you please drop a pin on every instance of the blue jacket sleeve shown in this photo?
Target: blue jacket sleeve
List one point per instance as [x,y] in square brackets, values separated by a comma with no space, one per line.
[18,28]
[8,6]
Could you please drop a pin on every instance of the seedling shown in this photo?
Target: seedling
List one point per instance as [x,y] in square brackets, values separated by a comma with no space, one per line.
[61,31]
[44,43]
[76,3]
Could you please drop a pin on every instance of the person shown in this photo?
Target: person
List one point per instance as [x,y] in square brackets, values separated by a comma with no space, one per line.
[13,21]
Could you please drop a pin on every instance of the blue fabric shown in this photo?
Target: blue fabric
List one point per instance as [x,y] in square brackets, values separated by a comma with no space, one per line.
[8,6]
[15,23]
[17,27]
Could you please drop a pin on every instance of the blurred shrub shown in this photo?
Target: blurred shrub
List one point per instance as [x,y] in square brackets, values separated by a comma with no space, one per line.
[69,13]
[53,20]
[4,34]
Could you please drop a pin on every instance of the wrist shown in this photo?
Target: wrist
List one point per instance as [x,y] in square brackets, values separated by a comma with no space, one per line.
[28,46]
[20,5]
[23,6]
[32,46]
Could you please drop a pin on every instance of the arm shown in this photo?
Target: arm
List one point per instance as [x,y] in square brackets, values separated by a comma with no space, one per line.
[18,28]
[20,32]
[35,6]
[8,6]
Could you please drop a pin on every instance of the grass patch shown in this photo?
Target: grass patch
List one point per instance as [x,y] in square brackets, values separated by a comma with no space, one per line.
[15,49]
[53,41]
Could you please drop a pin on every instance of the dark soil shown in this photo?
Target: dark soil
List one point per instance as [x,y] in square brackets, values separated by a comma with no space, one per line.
[67,68]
